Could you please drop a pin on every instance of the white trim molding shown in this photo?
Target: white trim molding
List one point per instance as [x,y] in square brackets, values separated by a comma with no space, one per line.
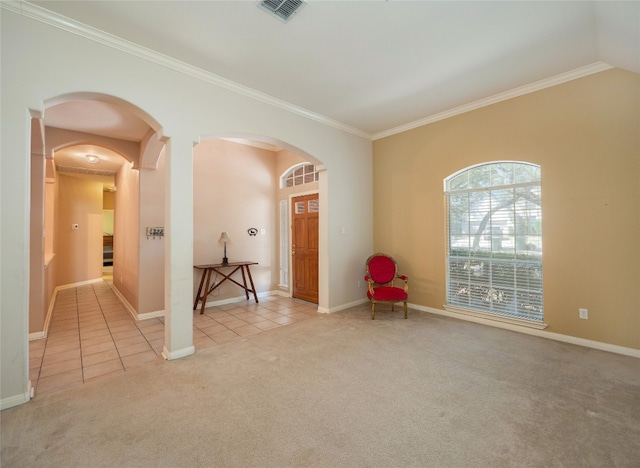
[75,27]
[498,318]
[233,300]
[52,302]
[132,311]
[125,303]
[16,400]
[150,315]
[611,348]
[188,351]
[348,305]
[41,335]
[79,283]
[520,91]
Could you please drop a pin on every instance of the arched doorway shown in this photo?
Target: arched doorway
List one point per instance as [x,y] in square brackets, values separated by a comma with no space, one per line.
[237,189]
[89,145]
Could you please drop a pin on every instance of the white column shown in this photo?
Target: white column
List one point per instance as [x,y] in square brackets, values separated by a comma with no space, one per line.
[178,265]
[323,240]
[14,252]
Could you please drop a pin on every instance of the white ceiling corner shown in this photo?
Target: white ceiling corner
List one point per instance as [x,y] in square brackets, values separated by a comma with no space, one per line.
[370,68]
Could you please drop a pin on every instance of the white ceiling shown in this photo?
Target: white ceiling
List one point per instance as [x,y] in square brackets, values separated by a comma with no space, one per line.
[377,65]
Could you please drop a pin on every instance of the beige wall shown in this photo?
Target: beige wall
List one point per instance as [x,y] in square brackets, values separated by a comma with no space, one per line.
[151,255]
[585,136]
[234,190]
[37,308]
[126,233]
[109,201]
[50,196]
[78,252]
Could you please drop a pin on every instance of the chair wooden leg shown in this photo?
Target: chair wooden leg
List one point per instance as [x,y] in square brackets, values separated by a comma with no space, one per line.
[373,311]
[405,309]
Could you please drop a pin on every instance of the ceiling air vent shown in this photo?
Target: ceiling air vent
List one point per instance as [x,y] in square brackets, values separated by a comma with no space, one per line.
[283,9]
[81,170]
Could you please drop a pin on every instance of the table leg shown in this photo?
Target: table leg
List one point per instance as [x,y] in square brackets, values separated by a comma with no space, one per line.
[253,288]
[205,292]
[244,281]
[195,303]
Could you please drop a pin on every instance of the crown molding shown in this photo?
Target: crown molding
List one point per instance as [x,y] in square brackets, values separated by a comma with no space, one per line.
[520,91]
[62,22]
[75,27]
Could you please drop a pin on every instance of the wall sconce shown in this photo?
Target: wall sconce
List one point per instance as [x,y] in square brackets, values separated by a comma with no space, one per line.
[224,237]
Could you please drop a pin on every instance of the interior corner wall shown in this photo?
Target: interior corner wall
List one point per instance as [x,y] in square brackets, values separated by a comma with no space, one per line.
[126,230]
[235,190]
[585,135]
[151,261]
[78,251]
[37,306]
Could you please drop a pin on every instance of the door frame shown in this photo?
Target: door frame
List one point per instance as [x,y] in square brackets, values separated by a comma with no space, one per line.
[289,234]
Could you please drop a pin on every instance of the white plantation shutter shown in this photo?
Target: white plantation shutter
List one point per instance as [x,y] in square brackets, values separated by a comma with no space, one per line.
[494,236]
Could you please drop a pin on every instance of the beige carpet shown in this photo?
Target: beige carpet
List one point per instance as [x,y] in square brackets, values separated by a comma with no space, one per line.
[344,391]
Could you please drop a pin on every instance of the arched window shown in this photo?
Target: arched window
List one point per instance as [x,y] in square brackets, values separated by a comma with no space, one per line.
[298,175]
[494,257]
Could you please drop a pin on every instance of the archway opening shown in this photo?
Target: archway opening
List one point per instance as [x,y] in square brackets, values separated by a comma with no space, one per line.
[237,191]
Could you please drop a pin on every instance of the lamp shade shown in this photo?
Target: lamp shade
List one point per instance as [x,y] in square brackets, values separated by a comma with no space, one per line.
[224,237]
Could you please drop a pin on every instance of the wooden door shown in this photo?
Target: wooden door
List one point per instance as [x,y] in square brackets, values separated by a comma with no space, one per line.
[304,246]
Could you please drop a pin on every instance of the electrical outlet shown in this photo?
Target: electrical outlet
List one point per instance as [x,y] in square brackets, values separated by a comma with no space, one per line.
[359,284]
[584,313]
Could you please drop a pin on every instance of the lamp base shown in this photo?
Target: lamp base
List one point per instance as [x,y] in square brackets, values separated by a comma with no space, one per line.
[225,260]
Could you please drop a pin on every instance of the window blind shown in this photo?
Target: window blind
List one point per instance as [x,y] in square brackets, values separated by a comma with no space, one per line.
[494,240]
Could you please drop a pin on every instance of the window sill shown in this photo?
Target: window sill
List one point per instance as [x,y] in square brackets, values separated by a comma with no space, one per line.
[497,318]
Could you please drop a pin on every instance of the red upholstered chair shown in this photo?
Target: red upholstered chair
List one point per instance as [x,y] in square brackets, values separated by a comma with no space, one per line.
[382,272]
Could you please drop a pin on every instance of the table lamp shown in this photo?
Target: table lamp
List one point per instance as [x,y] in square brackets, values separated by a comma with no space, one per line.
[224,237]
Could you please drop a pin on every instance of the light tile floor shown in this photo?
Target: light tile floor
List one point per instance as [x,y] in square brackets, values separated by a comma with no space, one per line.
[92,335]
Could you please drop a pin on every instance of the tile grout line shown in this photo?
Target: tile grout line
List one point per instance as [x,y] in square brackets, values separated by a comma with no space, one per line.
[110,333]
[82,298]
[108,327]
[46,344]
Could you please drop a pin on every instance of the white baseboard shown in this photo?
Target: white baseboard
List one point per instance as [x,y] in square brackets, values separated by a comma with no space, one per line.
[150,315]
[80,283]
[276,292]
[129,307]
[348,305]
[169,356]
[37,336]
[52,302]
[15,400]
[534,332]
[233,300]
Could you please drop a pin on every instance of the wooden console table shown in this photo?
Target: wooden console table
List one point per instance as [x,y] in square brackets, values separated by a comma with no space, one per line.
[207,287]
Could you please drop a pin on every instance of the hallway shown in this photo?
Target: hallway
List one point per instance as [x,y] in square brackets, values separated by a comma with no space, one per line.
[92,335]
